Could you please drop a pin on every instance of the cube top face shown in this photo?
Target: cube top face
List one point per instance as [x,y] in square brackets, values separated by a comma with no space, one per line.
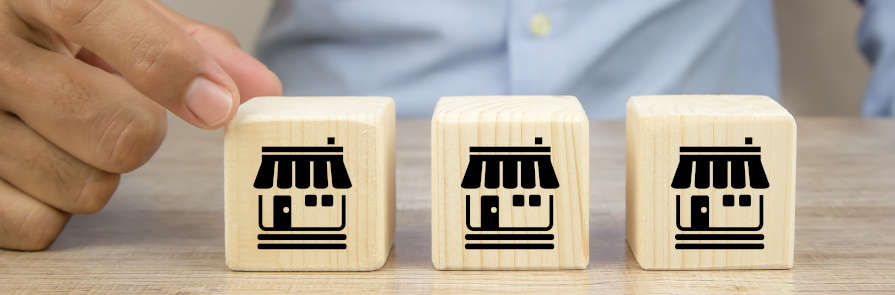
[710,182]
[310,184]
[509,108]
[323,108]
[510,183]
[706,105]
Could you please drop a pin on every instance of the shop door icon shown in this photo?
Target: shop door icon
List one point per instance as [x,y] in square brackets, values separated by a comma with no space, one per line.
[699,212]
[282,212]
[490,213]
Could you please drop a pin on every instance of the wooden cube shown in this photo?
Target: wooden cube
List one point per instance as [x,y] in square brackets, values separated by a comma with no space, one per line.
[310,184]
[710,182]
[509,183]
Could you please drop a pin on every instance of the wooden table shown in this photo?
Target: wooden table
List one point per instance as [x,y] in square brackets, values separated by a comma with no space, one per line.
[164,231]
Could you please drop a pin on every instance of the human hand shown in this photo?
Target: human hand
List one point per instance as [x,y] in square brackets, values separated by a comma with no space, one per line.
[84,85]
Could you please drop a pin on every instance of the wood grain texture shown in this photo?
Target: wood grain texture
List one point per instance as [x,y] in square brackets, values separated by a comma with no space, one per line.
[163,231]
[310,183]
[710,182]
[509,183]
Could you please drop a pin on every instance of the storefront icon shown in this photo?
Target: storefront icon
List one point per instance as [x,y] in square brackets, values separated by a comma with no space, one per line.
[315,177]
[726,169]
[528,173]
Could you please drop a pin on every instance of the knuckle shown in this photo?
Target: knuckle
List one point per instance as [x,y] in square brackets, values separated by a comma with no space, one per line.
[74,12]
[133,140]
[154,62]
[147,53]
[94,192]
[77,187]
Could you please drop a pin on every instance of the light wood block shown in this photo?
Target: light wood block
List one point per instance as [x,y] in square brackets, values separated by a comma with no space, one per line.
[710,182]
[310,184]
[509,183]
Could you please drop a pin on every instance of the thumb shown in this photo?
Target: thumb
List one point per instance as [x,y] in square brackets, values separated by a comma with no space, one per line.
[251,76]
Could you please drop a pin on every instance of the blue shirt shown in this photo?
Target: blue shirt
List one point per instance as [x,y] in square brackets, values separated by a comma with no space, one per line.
[600,51]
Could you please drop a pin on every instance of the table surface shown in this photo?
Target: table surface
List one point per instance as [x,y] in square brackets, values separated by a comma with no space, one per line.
[163,231]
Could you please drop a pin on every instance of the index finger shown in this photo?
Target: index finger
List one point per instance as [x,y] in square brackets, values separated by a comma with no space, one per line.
[153,53]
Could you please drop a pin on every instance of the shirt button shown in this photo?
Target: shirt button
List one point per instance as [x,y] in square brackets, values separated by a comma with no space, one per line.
[540,25]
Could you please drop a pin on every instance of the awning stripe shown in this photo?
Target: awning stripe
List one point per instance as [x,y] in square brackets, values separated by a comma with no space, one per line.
[682,175]
[264,178]
[320,179]
[284,174]
[510,174]
[492,174]
[473,176]
[528,174]
[737,174]
[719,174]
[547,174]
[702,174]
[302,173]
[340,175]
[757,176]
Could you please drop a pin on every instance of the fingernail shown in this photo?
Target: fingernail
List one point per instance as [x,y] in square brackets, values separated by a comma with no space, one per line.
[208,101]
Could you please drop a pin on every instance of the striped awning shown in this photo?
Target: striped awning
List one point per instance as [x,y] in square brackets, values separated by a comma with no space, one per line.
[519,170]
[703,171]
[327,170]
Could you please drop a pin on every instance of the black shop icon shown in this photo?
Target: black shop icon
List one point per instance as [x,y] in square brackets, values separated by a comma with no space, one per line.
[527,181]
[306,188]
[728,180]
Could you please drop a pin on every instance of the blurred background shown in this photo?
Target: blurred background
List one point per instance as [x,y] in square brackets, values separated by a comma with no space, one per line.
[823,73]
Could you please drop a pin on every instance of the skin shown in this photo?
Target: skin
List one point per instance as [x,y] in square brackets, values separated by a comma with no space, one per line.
[84,87]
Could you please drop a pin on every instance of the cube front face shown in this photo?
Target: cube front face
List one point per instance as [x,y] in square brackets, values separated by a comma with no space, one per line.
[509,183]
[711,182]
[310,191]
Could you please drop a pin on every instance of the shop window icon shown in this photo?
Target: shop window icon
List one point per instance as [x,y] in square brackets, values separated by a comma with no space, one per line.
[526,171]
[316,178]
[702,168]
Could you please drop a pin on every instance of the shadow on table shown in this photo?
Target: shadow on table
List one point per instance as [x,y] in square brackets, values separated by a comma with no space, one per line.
[135,229]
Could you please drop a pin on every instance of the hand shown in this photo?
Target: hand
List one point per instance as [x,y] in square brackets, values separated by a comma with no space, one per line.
[84,85]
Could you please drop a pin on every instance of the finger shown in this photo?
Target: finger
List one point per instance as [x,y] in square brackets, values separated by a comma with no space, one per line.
[26,223]
[38,168]
[252,77]
[154,54]
[89,113]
